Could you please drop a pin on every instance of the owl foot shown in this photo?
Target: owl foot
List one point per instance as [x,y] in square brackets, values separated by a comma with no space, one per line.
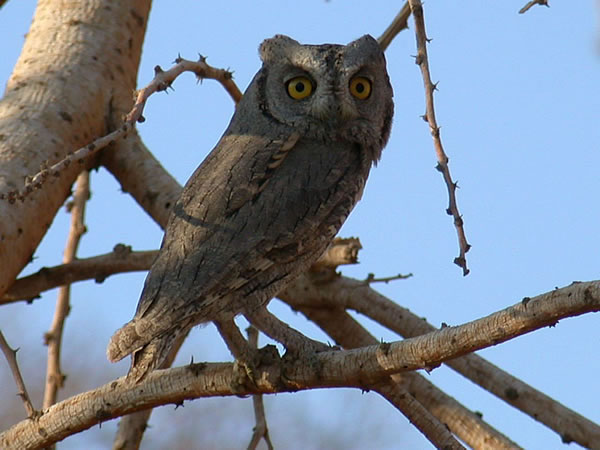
[246,367]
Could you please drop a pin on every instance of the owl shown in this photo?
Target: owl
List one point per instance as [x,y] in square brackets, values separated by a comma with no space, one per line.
[270,197]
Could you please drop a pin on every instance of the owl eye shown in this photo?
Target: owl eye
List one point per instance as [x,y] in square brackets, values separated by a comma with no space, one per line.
[360,87]
[299,87]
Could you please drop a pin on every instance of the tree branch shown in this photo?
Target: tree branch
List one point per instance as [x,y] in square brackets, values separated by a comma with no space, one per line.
[532,3]
[442,166]
[11,358]
[399,23]
[261,430]
[161,82]
[346,293]
[361,367]
[53,338]
[468,426]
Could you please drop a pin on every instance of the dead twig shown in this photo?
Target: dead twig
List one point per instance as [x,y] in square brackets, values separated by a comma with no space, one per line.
[53,338]
[371,278]
[442,166]
[399,23]
[161,82]
[261,430]
[532,3]
[11,358]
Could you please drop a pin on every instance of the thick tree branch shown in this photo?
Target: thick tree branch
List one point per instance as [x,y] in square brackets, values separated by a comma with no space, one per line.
[346,293]
[55,101]
[442,166]
[361,367]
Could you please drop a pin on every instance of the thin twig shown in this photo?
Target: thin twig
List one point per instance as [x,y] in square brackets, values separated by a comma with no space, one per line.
[371,278]
[11,358]
[54,376]
[261,430]
[399,23]
[442,166]
[161,82]
[532,3]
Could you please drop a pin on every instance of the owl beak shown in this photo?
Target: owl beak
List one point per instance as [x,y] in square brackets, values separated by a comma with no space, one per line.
[332,108]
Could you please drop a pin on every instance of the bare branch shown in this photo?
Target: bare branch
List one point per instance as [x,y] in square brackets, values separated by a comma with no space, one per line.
[465,424]
[353,294]
[53,338]
[98,268]
[121,260]
[399,23]
[532,3]
[11,358]
[261,430]
[278,330]
[362,368]
[442,166]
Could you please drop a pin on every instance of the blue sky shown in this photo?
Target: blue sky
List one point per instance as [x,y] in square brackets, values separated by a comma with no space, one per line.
[518,108]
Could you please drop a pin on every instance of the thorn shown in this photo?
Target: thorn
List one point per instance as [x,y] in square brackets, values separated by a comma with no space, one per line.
[158,70]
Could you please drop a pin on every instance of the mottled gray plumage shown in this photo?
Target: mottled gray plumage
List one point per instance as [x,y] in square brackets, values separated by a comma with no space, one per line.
[268,200]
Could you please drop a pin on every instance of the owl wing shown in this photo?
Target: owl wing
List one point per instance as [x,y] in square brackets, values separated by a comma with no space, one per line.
[247,208]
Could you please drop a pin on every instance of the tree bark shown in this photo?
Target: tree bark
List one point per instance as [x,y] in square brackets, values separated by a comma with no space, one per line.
[74,76]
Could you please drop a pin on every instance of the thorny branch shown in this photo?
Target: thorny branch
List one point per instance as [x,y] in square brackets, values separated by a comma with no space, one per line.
[161,82]
[361,368]
[442,166]
[53,338]
[11,358]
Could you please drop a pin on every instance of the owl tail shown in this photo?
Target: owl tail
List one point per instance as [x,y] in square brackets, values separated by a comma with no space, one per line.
[125,341]
[147,356]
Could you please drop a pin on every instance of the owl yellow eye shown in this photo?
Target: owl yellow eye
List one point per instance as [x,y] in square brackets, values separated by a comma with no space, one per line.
[360,87]
[299,88]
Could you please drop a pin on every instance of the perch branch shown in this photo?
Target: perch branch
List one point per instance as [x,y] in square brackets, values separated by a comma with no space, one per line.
[353,294]
[361,368]
[161,82]
[53,338]
[532,3]
[442,166]
[11,358]
[465,424]
[348,333]
[261,430]
[399,23]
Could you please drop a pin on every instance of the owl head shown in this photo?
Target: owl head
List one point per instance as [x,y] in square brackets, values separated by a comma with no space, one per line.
[328,92]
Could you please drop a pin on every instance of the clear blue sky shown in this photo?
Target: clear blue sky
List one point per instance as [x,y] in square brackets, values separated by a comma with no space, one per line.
[519,108]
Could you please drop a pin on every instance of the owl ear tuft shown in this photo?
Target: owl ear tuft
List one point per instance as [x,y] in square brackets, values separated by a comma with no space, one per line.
[276,48]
